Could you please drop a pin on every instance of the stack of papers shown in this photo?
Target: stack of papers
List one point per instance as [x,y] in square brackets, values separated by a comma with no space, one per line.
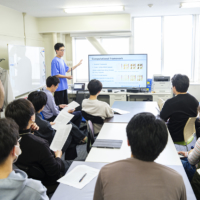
[73,177]
[64,117]
[121,112]
[60,137]
[71,106]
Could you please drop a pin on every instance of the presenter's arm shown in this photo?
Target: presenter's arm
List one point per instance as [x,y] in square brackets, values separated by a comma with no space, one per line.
[74,67]
[64,76]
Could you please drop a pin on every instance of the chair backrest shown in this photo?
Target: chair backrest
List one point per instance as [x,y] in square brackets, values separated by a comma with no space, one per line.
[93,119]
[160,102]
[80,95]
[189,128]
[90,135]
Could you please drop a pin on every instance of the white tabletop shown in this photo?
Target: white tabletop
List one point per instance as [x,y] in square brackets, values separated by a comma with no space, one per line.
[169,155]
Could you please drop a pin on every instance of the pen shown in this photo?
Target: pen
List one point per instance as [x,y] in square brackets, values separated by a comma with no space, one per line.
[82,177]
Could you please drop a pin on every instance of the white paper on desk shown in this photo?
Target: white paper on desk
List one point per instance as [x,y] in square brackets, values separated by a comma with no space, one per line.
[60,137]
[121,112]
[74,176]
[71,106]
[62,119]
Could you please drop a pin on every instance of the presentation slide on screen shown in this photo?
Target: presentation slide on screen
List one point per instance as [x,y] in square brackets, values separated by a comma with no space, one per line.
[119,71]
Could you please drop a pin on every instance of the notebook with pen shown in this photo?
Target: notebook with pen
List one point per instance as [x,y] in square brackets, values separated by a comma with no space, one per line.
[107,143]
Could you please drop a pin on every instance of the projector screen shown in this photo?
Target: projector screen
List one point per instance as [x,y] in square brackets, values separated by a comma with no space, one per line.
[119,71]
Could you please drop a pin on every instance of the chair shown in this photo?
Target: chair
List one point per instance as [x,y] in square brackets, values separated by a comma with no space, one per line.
[160,102]
[80,95]
[188,132]
[93,119]
[91,137]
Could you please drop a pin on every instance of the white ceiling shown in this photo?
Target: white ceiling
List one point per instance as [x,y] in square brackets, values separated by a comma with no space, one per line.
[50,8]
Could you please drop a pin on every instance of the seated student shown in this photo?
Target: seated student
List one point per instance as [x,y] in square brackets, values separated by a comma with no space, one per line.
[95,107]
[39,100]
[139,177]
[14,184]
[191,160]
[178,109]
[36,151]
[1,97]
[51,110]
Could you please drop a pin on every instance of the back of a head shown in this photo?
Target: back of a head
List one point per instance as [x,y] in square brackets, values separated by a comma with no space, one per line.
[180,82]
[57,46]
[52,80]
[38,99]
[147,136]
[21,110]
[94,86]
[9,134]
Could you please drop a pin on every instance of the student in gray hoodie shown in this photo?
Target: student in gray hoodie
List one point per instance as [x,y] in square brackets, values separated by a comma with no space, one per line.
[14,184]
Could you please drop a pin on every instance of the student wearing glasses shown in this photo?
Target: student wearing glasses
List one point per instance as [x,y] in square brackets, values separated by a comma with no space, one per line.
[14,184]
[36,151]
[59,69]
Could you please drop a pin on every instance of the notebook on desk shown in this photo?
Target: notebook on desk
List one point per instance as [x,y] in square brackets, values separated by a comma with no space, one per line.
[106,143]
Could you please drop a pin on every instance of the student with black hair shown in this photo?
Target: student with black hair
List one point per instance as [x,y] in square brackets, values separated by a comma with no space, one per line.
[14,184]
[39,101]
[180,108]
[139,177]
[51,110]
[36,151]
[95,107]
[59,69]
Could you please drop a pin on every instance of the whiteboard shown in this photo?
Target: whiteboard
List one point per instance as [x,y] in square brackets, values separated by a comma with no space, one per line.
[27,69]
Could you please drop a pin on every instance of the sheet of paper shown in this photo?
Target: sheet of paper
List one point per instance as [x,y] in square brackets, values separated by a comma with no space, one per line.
[60,137]
[62,119]
[72,106]
[121,112]
[198,170]
[74,176]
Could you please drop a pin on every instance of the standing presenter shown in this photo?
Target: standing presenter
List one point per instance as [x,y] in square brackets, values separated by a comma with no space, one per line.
[59,69]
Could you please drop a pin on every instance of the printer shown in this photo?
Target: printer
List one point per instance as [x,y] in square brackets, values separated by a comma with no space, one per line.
[161,84]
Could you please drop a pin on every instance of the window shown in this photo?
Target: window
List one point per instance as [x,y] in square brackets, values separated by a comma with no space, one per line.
[83,48]
[178,45]
[147,40]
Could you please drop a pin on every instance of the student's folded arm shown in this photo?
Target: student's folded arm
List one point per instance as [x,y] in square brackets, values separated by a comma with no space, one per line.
[109,111]
[194,156]
[52,166]
[165,112]
[98,192]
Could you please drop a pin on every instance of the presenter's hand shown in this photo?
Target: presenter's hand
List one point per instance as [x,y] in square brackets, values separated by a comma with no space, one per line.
[58,154]
[71,111]
[62,105]
[34,127]
[80,63]
[69,77]
[52,123]
[183,153]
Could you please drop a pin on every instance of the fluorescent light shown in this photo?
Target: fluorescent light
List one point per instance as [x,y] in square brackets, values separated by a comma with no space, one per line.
[94,9]
[190,5]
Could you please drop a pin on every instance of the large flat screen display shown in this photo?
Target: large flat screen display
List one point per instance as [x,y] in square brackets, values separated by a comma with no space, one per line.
[119,71]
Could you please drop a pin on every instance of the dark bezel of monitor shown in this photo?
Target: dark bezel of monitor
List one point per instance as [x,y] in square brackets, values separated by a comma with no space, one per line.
[117,55]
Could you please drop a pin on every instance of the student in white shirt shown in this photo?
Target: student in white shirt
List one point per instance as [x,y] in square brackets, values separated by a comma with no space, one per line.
[95,107]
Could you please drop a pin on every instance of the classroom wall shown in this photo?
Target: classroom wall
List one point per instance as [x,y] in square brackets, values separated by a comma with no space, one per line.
[12,31]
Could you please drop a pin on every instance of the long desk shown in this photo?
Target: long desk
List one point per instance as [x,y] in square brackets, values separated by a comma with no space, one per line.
[134,108]
[64,192]
[117,131]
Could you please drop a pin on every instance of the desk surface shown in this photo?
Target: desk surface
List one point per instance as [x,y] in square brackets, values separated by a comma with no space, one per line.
[134,107]
[64,192]
[116,131]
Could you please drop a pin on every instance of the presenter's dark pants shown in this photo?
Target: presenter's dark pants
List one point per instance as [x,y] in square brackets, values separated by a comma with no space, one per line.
[61,97]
